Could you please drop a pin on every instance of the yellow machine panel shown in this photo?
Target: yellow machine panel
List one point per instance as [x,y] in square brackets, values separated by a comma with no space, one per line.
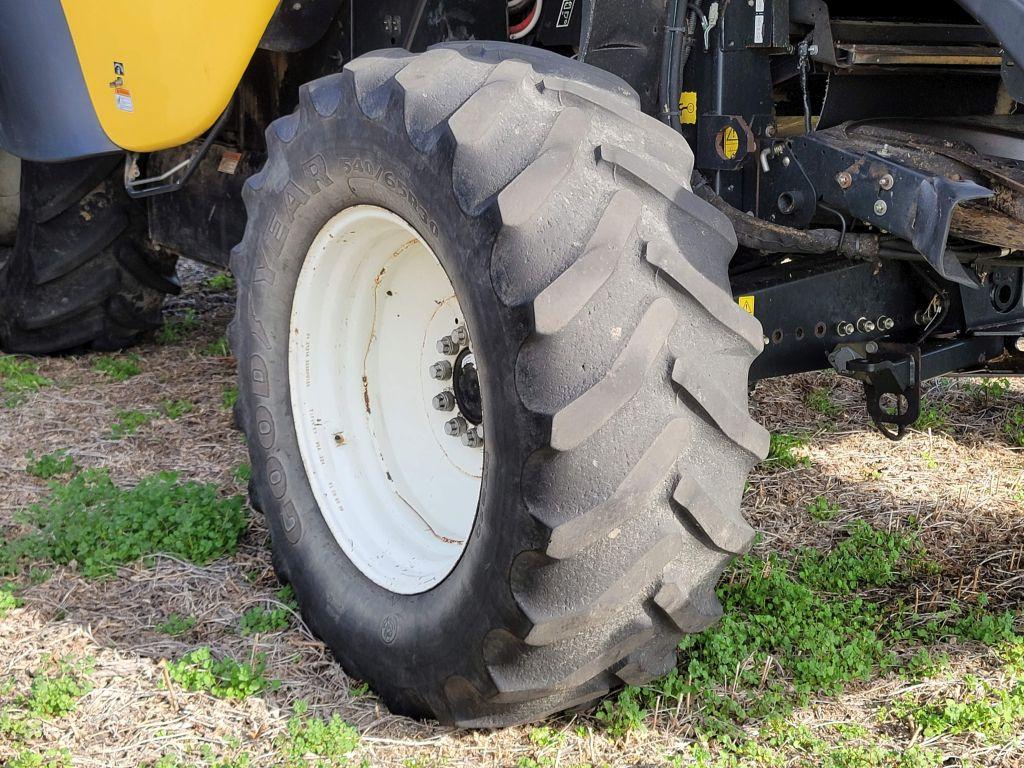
[160,72]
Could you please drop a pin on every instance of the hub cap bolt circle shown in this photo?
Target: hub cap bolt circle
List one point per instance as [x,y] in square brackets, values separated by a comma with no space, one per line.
[455,427]
[444,401]
[441,370]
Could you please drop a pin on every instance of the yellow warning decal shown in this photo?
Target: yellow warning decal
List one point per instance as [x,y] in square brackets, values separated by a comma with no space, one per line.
[730,142]
[688,108]
[746,303]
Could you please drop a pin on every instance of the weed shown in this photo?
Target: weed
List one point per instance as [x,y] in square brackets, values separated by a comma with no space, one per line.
[929,460]
[56,695]
[218,348]
[243,474]
[991,712]
[260,621]
[175,409]
[18,378]
[229,398]
[91,521]
[866,558]
[623,713]
[820,399]
[923,665]
[989,389]
[8,602]
[177,329]
[358,690]
[129,422]
[1013,427]
[176,624]
[823,510]
[223,678]
[222,281]
[783,451]
[933,417]
[331,741]
[49,464]
[118,368]
[28,758]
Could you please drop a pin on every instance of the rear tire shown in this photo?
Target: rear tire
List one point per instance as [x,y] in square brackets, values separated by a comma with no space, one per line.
[612,361]
[80,275]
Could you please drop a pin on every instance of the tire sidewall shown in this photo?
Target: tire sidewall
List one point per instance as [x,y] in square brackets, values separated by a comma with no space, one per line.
[414,638]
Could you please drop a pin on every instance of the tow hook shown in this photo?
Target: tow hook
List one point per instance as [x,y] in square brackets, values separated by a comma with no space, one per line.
[891,374]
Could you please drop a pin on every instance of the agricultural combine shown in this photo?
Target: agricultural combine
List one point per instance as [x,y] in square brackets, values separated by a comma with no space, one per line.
[506,272]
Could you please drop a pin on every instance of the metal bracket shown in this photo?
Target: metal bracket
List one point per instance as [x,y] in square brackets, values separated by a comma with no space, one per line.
[885,369]
[179,175]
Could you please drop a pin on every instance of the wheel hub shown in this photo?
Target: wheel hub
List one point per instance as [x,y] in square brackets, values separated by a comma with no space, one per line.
[394,463]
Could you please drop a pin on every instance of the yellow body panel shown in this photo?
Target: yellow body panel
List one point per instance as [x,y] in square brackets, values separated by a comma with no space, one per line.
[160,72]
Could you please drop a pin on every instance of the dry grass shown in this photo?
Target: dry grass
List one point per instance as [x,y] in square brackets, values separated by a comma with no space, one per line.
[963,484]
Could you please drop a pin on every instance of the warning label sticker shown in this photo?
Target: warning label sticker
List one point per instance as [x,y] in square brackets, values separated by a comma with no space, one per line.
[746,303]
[124,99]
[565,14]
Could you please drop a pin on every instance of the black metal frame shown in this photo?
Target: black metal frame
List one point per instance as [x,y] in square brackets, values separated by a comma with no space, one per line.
[855,248]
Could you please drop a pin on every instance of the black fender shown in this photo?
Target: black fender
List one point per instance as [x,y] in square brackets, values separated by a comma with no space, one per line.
[297,26]
[1004,19]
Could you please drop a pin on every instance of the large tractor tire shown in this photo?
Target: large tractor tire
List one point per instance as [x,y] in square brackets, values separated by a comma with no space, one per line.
[492,379]
[79,276]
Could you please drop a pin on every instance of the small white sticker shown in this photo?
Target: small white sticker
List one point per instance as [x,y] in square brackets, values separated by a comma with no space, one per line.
[124,100]
[759,6]
[565,14]
[759,29]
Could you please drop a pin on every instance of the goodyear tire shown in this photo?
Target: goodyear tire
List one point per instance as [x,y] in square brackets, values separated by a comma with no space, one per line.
[612,368]
[80,275]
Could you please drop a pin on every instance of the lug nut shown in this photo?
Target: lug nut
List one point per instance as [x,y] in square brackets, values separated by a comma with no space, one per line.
[1019,344]
[441,370]
[844,179]
[446,345]
[887,182]
[844,329]
[444,401]
[455,427]
[460,336]
[865,326]
[886,323]
[472,438]
[881,207]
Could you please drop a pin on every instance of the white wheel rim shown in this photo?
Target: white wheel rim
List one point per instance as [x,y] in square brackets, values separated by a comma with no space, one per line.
[398,493]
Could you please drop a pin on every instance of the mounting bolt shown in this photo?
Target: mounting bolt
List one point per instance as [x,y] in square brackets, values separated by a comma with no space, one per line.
[444,401]
[871,347]
[844,328]
[785,162]
[472,438]
[865,326]
[1019,344]
[455,427]
[446,346]
[460,336]
[441,370]
[885,323]
[881,207]
[887,182]
[770,130]
[844,179]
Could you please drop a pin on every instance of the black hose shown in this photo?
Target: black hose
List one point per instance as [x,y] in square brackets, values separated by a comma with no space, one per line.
[760,235]
[665,84]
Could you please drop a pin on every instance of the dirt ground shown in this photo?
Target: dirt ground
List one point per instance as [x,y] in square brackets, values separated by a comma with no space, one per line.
[963,485]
